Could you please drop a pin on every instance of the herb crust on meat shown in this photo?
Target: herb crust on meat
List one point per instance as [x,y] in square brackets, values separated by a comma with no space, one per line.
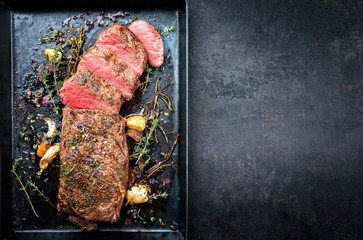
[94,165]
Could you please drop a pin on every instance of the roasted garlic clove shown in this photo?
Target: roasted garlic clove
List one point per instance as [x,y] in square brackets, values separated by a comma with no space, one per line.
[137,194]
[50,53]
[137,123]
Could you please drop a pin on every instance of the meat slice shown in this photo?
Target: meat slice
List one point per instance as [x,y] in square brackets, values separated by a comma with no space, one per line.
[151,39]
[94,165]
[86,91]
[83,224]
[122,42]
[104,64]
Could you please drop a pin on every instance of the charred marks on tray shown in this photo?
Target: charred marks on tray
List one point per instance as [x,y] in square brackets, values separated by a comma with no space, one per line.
[168,57]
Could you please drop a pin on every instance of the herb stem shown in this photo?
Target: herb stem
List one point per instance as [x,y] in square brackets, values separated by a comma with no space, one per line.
[37,189]
[147,80]
[55,81]
[26,193]
[76,45]
[157,166]
[148,138]
[46,86]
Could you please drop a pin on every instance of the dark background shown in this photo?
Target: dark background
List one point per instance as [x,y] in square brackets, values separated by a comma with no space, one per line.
[275,119]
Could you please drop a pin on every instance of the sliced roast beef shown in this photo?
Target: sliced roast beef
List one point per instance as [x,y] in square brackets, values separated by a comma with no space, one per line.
[94,165]
[122,42]
[104,64]
[151,40]
[86,91]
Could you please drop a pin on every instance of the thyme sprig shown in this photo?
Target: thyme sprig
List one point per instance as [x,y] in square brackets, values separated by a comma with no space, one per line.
[166,32]
[131,20]
[143,146]
[32,184]
[157,195]
[50,37]
[43,76]
[15,165]
[76,41]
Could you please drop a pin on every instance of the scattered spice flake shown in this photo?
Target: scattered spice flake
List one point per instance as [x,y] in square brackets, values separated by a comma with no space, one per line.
[173,227]
[74,33]
[48,103]
[74,151]
[166,180]
[129,223]
[133,20]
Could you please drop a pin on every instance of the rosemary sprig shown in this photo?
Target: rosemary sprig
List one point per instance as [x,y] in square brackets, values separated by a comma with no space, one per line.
[147,80]
[159,165]
[159,93]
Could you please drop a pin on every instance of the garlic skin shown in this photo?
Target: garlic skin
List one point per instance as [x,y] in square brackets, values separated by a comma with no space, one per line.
[137,194]
[43,147]
[52,127]
[48,157]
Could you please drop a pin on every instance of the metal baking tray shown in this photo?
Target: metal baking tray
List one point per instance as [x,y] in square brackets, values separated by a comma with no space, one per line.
[21,25]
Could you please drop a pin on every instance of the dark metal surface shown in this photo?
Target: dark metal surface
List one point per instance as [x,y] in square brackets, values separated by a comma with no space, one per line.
[5,119]
[22,27]
[276,120]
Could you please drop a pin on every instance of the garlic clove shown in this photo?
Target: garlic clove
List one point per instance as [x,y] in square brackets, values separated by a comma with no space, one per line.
[137,123]
[50,53]
[137,194]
